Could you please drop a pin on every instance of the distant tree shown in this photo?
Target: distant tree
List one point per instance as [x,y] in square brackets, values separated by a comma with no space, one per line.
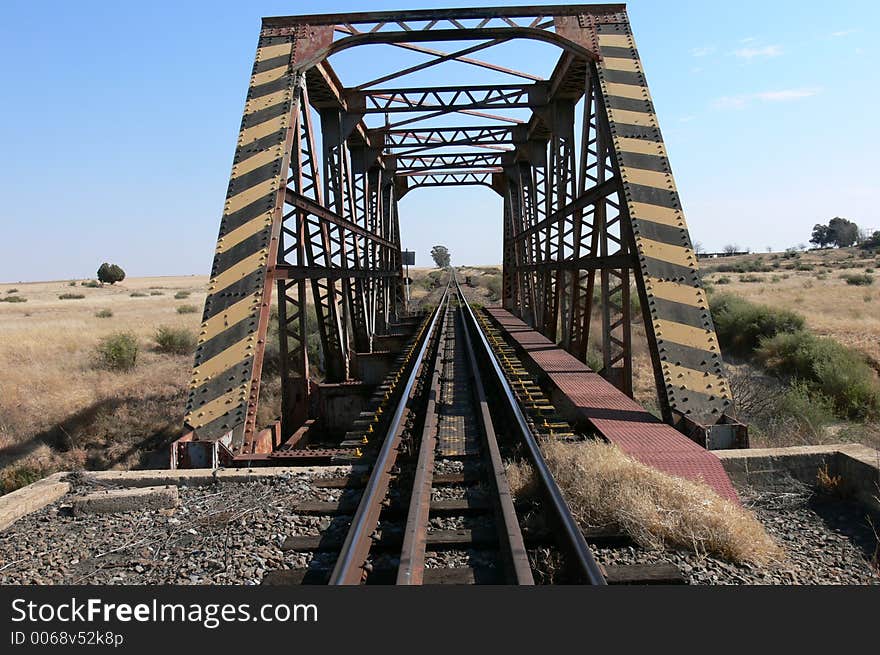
[801,246]
[871,240]
[842,232]
[821,235]
[441,256]
[110,273]
[698,248]
[730,248]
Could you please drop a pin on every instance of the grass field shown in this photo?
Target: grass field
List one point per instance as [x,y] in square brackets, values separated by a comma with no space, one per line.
[849,313]
[59,409]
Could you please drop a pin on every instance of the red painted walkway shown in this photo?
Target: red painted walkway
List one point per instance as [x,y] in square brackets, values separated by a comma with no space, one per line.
[615,415]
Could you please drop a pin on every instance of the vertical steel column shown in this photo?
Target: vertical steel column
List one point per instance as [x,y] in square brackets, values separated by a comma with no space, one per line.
[225,384]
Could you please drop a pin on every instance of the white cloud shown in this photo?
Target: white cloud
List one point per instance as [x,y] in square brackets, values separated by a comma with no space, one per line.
[748,39]
[702,51]
[783,95]
[844,33]
[786,94]
[765,51]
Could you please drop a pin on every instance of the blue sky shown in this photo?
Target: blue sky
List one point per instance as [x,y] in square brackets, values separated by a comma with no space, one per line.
[119,123]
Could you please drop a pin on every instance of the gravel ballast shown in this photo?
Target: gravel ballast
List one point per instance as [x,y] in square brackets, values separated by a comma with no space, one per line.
[231,533]
[826,541]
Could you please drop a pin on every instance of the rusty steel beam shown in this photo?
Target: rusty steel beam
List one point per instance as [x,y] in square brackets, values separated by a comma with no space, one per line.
[450,160]
[310,206]
[450,98]
[291,272]
[524,11]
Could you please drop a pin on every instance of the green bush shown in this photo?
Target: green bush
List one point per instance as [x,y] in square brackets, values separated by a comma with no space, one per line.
[175,341]
[180,295]
[810,409]
[156,293]
[71,296]
[110,273]
[828,367]
[804,267]
[91,284]
[117,351]
[750,278]
[13,299]
[187,309]
[137,294]
[103,313]
[722,280]
[741,324]
[858,280]
[72,283]
[12,291]
[493,285]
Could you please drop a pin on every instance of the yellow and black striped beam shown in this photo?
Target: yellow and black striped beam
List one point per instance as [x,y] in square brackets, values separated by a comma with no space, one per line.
[677,318]
[225,378]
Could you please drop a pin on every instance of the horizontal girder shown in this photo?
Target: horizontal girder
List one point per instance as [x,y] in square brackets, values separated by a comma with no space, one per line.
[454,98]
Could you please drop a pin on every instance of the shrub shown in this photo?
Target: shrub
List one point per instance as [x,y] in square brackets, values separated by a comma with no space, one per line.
[137,294]
[750,278]
[91,284]
[175,341]
[810,410]
[12,291]
[103,313]
[156,293]
[13,299]
[71,296]
[180,295]
[187,309]
[110,273]
[858,280]
[493,285]
[117,351]
[828,367]
[741,325]
[72,283]
[804,267]
[722,280]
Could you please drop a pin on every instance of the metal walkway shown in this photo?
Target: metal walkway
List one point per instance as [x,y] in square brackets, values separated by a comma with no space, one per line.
[592,399]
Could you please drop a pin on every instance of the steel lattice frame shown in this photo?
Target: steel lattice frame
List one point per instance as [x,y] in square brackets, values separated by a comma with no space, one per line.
[586,215]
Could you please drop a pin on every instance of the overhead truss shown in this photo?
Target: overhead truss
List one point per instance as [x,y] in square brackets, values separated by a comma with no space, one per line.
[592,219]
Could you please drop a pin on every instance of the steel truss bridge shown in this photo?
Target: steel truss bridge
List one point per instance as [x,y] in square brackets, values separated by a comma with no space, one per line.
[591,212]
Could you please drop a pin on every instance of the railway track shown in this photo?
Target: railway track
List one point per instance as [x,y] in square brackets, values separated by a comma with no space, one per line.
[435,506]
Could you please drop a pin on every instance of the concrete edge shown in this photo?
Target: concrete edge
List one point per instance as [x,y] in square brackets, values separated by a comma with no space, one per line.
[857,465]
[31,498]
[194,477]
[41,493]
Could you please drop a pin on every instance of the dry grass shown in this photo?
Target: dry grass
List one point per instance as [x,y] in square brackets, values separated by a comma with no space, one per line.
[604,487]
[57,411]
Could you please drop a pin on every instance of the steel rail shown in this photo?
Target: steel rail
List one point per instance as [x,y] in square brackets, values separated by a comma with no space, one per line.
[510,540]
[583,557]
[356,547]
[411,570]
